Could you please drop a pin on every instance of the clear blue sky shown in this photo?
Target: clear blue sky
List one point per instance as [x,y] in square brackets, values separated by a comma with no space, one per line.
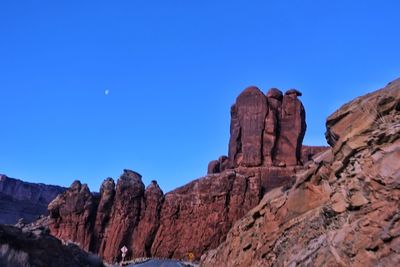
[173,69]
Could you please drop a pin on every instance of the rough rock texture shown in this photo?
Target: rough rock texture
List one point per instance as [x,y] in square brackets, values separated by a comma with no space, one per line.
[25,200]
[107,195]
[35,247]
[252,107]
[308,152]
[196,217]
[266,129]
[292,129]
[343,210]
[147,221]
[220,165]
[73,214]
[125,214]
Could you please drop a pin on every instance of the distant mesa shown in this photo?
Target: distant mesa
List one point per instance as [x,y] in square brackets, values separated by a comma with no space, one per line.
[19,199]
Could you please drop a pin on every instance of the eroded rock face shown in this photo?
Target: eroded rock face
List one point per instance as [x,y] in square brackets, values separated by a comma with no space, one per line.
[252,107]
[73,214]
[147,221]
[196,217]
[266,129]
[25,200]
[343,210]
[125,214]
[292,129]
[308,152]
[103,214]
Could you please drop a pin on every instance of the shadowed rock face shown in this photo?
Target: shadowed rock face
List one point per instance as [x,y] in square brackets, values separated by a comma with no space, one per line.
[25,200]
[196,217]
[35,247]
[343,209]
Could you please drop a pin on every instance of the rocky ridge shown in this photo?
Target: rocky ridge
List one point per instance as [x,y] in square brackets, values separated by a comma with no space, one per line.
[25,200]
[263,155]
[343,209]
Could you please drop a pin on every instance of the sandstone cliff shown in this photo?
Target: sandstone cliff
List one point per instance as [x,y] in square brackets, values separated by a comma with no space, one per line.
[344,209]
[263,155]
[25,200]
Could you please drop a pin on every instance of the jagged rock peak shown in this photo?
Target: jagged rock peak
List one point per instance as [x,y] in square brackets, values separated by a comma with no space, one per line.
[130,179]
[153,186]
[275,93]
[130,173]
[293,92]
[107,185]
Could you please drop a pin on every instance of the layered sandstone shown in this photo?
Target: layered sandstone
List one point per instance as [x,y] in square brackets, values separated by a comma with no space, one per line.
[25,200]
[343,209]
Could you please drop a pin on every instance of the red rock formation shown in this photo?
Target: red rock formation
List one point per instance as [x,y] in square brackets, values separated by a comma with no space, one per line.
[272,125]
[252,107]
[343,210]
[197,216]
[149,223]
[292,129]
[202,212]
[125,214]
[213,167]
[107,195]
[73,214]
[266,130]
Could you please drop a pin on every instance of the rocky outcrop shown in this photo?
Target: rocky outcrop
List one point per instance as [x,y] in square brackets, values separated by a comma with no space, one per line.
[147,221]
[25,200]
[125,214]
[196,217]
[73,214]
[35,247]
[266,129]
[343,209]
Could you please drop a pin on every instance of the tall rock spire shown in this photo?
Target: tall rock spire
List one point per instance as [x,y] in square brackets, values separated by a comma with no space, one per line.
[267,129]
